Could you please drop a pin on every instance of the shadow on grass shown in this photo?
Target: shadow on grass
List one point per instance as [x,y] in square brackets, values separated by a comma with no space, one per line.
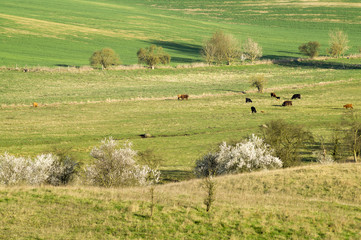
[66,65]
[176,175]
[317,64]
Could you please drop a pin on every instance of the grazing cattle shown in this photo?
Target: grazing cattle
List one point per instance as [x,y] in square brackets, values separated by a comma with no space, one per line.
[287,103]
[35,104]
[248,100]
[253,109]
[278,98]
[348,106]
[183,96]
[273,94]
[262,111]
[295,96]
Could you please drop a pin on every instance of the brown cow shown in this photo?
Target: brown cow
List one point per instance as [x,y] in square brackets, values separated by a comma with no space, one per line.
[348,106]
[35,104]
[287,103]
[183,96]
[273,94]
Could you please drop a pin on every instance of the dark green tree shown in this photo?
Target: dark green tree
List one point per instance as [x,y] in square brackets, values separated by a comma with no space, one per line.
[310,49]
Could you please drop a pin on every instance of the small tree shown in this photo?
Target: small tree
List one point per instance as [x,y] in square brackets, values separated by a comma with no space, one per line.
[114,166]
[209,185]
[338,43]
[286,139]
[310,49]
[248,155]
[352,137]
[104,58]
[221,48]
[252,50]
[153,56]
[259,82]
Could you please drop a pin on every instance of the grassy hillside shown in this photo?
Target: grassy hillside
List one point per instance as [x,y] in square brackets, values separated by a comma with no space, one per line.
[50,33]
[78,109]
[313,202]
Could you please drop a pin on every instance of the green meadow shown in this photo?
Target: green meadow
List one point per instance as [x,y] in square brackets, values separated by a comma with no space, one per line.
[77,108]
[49,33]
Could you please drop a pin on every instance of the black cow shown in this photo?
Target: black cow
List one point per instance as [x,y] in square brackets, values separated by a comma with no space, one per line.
[278,98]
[287,103]
[248,100]
[273,94]
[253,109]
[295,96]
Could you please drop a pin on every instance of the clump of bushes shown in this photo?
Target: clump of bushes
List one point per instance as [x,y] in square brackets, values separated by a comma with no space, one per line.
[249,155]
[115,166]
[43,169]
[310,49]
[287,140]
[152,56]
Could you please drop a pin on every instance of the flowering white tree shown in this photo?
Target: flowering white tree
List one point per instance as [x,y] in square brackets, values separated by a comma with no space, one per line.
[116,166]
[43,169]
[249,155]
[252,50]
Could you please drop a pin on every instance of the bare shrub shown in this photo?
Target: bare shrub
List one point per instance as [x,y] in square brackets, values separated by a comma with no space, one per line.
[221,48]
[249,155]
[259,82]
[310,49]
[322,157]
[338,43]
[209,185]
[115,166]
[252,50]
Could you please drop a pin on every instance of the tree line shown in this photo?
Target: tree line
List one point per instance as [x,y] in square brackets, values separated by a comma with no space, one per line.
[221,48]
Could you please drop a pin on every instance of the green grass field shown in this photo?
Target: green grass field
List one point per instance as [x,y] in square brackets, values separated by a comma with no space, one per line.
[78,109]
[310,202]
[49,33]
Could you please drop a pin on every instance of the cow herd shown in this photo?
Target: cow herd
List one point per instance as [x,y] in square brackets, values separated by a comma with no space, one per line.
[287,102]
[284,104]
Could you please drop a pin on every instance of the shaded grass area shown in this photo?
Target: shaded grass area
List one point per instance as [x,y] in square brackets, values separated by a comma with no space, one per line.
[313,202]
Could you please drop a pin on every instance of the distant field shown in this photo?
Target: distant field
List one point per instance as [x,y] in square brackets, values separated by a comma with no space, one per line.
[78,109]
[313,202]
[58,33]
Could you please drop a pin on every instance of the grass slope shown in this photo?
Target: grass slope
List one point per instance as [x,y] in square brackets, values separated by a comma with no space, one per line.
[78,109]
[49,33]
[313,202]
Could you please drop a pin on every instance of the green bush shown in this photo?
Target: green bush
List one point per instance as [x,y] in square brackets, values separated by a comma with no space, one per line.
[286,139]
[310,49]
[104,58]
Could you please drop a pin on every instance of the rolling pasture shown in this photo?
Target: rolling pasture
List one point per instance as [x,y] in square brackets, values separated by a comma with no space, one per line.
[49,33]
[78,109]
[309,202]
